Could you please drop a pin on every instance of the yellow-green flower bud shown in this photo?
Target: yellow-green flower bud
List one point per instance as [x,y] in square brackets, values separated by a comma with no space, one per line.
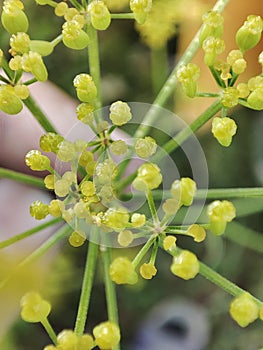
[140,8]
[99,14]
[148,177]
[37,161]
[185,265]
[219,213]
[107,335]
[255,99]
[187,76]
[73,36]
[184,190]
[19,43]
[230,97]
[34,308]
[85,87]
[120,113]
[213,25]
[13,18]
[145,147]
[148,271]
[212,47]
[249,34]
[244,310]
[223,130]
[39,210]
[10,103]
[122,271]
[32,62]
[85,113]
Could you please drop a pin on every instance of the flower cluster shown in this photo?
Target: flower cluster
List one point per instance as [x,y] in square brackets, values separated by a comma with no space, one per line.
[106,335]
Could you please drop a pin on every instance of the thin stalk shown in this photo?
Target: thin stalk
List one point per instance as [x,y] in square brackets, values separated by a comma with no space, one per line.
[57,40]
[159,68]
[110,289]
[61,233]
[122,15]
[152,206]
[86,288]
[223,282]
[217,193]
[143,251]
[39,115]
[50,331]
[94,62]
[171,82]
[19,177]
[75,4]
[28,233]
[206,94]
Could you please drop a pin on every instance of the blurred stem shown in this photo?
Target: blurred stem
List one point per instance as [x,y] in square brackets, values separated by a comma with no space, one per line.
[94,62]
[28,233]
[122,15]
[170,84]
[159,68]
[19,177]
[216,193]
[86,288]
[61,233]
[39,115]
[110,289]
[223,282]
[75,4]
[216,278]
[50,331]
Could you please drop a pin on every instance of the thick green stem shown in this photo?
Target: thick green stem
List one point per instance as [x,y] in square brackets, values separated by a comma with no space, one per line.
[212,193]
[50,331]
[86,288]
[110,289]
[28,233]
[94,62]
[19,177]
[39,115]
[159,68]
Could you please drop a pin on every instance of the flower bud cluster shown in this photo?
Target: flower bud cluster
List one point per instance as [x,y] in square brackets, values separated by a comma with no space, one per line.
[140,8]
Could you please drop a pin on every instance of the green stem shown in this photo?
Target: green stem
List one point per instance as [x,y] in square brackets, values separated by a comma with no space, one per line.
[143,251]
[230,193]
[217,193]
[86,288]
[57,40]
[170,83]
[245,237]
[75,4]
[50,331]
[39,115]
[61,233]
[94,62]
[206,94]
[26,179]
[223,282]
[122,15]
[174,143]
[159,68]
[152,206]
[28,233]
[110,289]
